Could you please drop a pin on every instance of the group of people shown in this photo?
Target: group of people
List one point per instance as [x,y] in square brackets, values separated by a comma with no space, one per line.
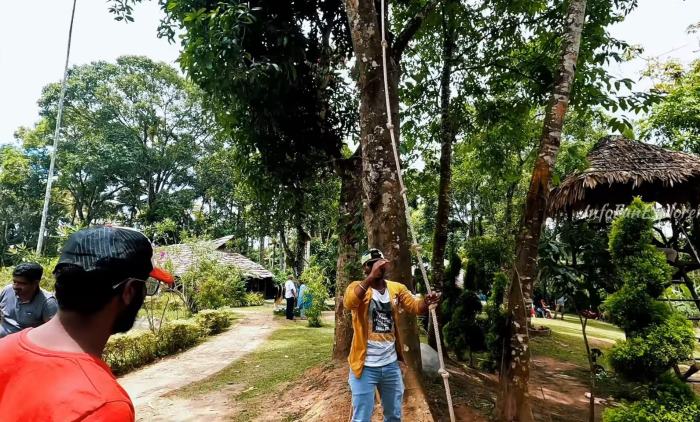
[52,344]
[296,297]
[542,310]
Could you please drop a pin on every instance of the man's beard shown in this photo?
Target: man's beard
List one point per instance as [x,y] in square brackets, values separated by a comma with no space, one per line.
[125,320]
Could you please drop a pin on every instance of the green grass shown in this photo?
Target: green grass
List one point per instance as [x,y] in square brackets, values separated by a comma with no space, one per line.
[595,330]
[562,347]
[283,358]
[566,342]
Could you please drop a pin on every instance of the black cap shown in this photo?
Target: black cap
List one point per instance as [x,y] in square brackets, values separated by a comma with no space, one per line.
[112,248]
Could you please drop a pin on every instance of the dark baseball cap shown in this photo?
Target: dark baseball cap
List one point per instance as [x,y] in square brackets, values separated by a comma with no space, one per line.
[112,248]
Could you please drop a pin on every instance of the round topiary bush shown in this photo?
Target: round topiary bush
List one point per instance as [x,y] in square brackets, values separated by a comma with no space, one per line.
[657,337]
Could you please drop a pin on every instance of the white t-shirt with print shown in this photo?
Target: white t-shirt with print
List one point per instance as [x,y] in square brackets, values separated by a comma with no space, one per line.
[381,349]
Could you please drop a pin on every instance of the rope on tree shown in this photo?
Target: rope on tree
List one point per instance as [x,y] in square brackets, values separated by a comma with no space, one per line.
[414,243]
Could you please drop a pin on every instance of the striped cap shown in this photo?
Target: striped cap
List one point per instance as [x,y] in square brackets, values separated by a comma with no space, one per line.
[371,255]
[112,248]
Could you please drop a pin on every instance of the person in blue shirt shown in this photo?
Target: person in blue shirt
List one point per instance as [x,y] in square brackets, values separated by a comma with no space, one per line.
[303,300]
[23,304]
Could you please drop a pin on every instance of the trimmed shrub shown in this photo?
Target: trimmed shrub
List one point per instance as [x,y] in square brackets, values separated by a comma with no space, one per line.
[648,356]
[462,333]
[126,352]
[486,255]
[633,309]
[496,322]
[253,299]
[178,335]
[653,411]
[657,338]
[214,321]
[670,400]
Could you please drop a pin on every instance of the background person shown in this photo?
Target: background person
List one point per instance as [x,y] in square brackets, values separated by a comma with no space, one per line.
[559,307]
[290,294]
[376,347]
[23,303]
[55,372]
[544,309]
[304,300]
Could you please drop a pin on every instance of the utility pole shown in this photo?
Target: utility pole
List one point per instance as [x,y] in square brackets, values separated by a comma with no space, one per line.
[56,134]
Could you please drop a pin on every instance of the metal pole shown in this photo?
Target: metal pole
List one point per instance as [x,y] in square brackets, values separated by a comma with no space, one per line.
[57,132]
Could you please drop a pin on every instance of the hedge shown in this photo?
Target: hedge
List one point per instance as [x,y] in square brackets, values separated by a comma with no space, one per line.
[214,321]
[253,299]
[126,352]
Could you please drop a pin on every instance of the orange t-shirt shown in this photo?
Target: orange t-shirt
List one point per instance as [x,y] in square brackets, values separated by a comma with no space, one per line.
[38,384]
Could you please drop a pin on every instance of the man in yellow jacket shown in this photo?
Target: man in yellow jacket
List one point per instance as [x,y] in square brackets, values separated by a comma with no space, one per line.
[376,346]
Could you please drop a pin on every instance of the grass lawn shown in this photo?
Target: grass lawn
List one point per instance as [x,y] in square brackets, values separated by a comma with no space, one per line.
[284,357]
[596,330]
[566,342]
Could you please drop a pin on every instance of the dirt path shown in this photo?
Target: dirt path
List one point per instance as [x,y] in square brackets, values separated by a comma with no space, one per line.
[147,386]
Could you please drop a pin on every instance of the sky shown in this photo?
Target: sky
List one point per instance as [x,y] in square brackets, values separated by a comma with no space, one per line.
[34,35]
[33,38]
[659,26]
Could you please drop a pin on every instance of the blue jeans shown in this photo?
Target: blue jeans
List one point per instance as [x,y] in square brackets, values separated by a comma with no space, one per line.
[387,379]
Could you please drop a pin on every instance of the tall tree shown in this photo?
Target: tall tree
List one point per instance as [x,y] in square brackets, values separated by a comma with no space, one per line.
[274,72]
[134,130]
[349,243]
[515,372]
[23,171]
[447,138]
[384,212]
[675,121]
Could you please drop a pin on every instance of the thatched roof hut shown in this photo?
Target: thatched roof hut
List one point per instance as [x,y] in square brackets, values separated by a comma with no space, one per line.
[183,256]
[620,169]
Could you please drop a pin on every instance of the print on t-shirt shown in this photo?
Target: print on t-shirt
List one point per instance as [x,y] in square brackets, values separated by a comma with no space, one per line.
[382,321]
[381,339]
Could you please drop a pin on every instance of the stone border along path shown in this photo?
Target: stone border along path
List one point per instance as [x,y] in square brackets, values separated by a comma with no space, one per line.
[148,385]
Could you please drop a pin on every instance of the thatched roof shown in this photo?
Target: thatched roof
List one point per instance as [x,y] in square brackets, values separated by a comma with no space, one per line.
[620,169]
[183,256]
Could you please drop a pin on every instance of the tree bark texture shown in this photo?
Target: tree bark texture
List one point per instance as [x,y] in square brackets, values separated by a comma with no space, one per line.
[300,249]
[515,373]
[383,206]
[349,240]
[447,136]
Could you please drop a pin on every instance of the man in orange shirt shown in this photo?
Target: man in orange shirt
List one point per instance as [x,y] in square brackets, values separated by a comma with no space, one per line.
[102,278]
[376,346]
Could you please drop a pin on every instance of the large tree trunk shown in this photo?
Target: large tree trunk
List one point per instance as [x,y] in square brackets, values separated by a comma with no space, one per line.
[447,135]
[508,215]
[383,206]
[349,239]
[515,373]
[300,249]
